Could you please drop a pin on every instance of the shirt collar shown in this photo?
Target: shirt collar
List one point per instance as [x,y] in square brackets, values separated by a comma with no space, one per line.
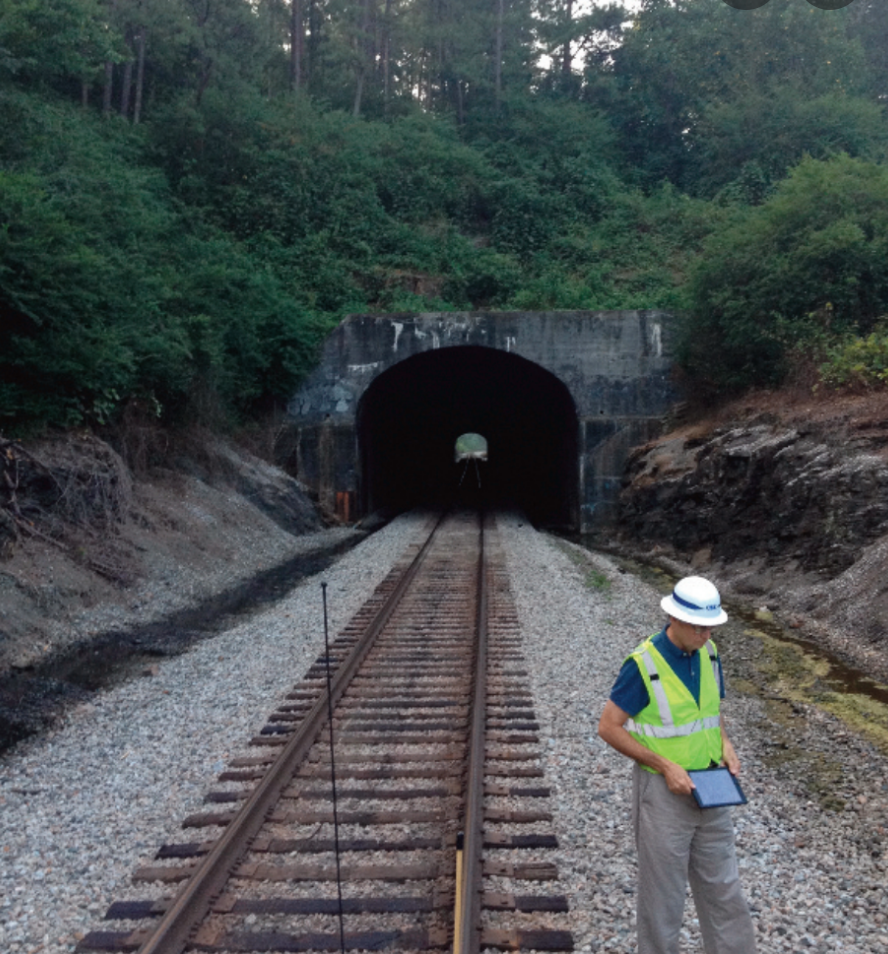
[668,650]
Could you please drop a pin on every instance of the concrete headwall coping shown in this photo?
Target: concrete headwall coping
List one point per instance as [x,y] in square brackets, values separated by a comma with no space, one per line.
[625,348]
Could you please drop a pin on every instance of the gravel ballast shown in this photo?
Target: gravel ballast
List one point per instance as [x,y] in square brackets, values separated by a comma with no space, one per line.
[84,806]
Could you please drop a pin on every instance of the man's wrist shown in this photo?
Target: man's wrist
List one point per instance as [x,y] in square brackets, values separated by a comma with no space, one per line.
[658,763]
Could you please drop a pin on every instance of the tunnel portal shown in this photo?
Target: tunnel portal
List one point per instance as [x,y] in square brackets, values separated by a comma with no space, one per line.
[561,397]
[409,418]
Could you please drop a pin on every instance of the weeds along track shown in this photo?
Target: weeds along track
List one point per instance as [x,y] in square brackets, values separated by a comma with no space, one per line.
[438,836]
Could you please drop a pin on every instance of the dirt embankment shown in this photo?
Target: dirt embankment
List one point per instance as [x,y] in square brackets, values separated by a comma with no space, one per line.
[85,548]
[783,499]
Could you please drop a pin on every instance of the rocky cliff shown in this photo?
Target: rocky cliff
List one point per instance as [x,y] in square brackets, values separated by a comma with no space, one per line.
[782,501]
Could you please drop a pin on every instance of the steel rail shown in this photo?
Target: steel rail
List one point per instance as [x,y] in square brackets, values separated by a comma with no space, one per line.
[191,905]
[467,929]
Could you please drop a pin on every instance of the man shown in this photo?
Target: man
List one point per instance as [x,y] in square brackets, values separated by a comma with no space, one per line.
[663,713]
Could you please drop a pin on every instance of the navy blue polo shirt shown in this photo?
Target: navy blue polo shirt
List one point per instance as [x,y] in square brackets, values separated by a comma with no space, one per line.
[629,691]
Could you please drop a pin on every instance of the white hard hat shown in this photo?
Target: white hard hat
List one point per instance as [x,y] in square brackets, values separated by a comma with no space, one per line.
[695,600]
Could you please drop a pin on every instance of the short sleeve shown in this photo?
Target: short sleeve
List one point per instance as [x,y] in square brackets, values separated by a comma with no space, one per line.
[629,691]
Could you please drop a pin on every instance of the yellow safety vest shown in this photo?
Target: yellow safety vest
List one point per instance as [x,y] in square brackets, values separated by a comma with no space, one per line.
[673,724]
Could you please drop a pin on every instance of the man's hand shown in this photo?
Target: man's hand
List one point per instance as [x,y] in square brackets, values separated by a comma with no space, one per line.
[677,779]
[729,756]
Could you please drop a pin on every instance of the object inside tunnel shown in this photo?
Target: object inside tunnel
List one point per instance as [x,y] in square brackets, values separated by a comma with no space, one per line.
[470,447]
[410,418]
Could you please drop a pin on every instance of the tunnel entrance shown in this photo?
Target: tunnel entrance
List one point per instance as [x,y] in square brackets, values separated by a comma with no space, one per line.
[410,417]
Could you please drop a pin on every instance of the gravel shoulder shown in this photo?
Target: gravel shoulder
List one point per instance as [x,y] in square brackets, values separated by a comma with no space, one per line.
[83,806]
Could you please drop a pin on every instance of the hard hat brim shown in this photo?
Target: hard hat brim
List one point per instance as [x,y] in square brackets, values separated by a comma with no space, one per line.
[701,618]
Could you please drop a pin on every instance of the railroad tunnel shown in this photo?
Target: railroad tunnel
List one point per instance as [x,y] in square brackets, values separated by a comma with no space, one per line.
[560,397]
[409,419]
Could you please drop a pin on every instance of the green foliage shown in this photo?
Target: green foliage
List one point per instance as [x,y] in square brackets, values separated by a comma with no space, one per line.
[636,256]
[750,144]
[692,80]
[107,293]
[682,155]
[44,43]
[858,362]
[809,263]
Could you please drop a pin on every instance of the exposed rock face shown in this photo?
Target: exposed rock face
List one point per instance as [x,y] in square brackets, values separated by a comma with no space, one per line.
[793,516]
[760,490]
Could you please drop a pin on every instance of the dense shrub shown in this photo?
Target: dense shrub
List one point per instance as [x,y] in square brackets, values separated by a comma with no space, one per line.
[809,264]
[858,362]
[190,254]
[108,292]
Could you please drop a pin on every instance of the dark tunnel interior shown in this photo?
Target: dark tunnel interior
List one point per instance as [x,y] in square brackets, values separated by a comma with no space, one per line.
[410,417]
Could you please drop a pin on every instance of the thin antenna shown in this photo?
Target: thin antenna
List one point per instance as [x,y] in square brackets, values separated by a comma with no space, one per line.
[333,772]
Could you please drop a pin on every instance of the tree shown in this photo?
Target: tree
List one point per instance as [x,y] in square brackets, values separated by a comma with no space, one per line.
[771,133]
[60,45]
[808,264]
[683,60]
[297,43]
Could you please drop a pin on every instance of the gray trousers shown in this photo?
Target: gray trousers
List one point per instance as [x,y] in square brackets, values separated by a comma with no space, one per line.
[679,843]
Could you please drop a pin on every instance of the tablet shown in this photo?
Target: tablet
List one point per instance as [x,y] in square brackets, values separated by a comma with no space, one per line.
[716,787]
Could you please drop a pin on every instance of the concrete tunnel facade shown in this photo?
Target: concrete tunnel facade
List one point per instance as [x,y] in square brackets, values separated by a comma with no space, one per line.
[561,398]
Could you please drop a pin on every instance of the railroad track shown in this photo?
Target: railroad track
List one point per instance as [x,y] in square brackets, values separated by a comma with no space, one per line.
[414,819]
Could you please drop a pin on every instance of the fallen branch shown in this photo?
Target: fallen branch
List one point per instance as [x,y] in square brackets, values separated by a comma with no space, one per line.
[23,524]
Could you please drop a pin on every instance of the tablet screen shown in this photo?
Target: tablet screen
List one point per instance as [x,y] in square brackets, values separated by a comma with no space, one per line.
[716,787]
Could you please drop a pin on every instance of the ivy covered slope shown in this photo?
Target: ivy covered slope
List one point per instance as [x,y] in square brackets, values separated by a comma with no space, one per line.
[192,194]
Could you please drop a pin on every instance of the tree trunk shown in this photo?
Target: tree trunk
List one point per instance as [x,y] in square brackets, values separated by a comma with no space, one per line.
[314,39]
[443,64]
[297,42]
[126,85]
[204,82]
[140,75]
[386,53]
[359,92]
[108,88]
[363,52]
[498,64]
[567,56]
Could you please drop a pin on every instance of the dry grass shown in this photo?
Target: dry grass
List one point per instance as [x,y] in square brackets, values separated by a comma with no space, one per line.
[861,416]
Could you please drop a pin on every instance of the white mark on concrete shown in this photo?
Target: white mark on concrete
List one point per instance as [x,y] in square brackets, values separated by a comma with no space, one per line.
[436,341]
[399,327]
[657,339]
[419,333]
[363,368]
[511,341]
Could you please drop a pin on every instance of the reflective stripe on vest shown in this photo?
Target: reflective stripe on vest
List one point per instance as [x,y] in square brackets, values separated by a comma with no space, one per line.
[659,691]
[673,732]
